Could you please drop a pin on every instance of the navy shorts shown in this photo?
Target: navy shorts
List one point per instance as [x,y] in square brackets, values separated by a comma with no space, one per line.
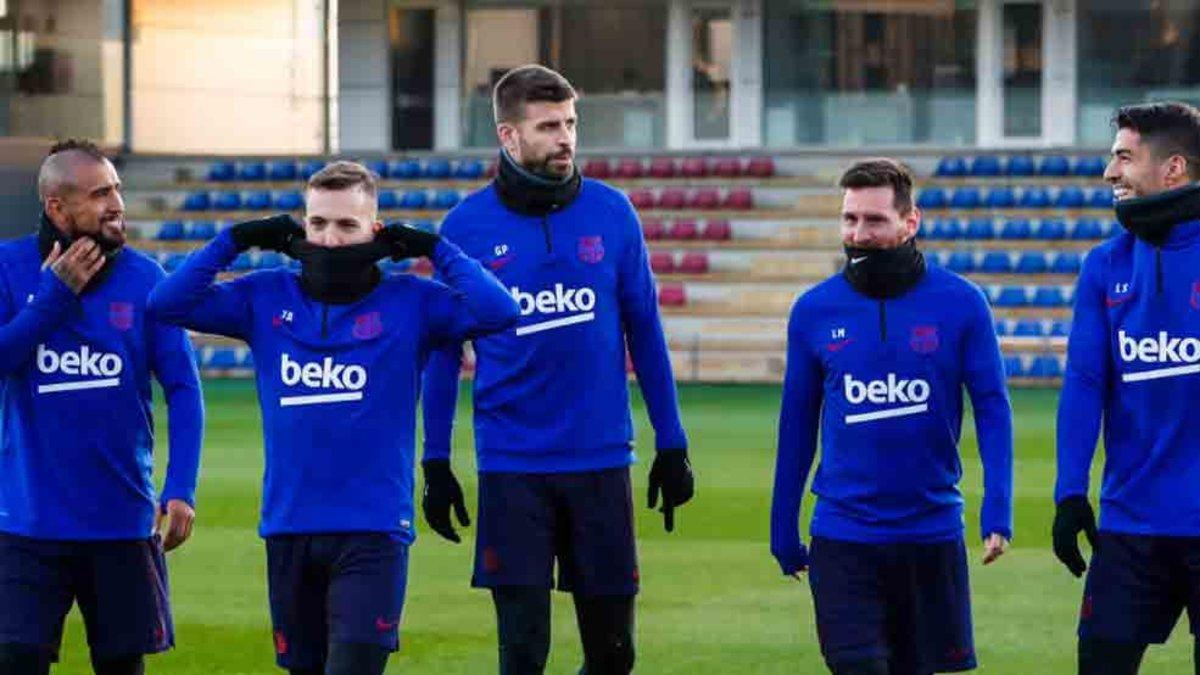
[583,521]
[121,588]
[345,588]
[1138,585]
[909,603]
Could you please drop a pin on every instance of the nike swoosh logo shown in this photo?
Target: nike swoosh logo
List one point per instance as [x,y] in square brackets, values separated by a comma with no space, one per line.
[381,625]
[855,261]
[839,345]
[1113,302]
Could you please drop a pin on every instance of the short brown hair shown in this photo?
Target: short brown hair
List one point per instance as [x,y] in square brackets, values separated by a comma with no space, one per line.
[528,84]
[344,175]
[882,172]
[1170,128]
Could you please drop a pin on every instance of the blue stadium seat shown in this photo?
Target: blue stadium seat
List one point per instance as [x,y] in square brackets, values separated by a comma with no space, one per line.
[986,166]
[1028,328]
[1017,228]
[1060,329]
[1069,197]
[414,199]
[931,198]
[1000,197]
[469,169]
[996,262]
[1091,167]
[437,168]
[172,260]
[242,263]
[222,172]
[282,170]
[170,230]
[946,228]
[289,200]
[445,199]
[1020,165]
[405,169]
[201,230]
[980,228]
[935,258]
[1049,296]
[1087,228]
[270,260]
[1034,197]
[228,201]
[1045,366]
[1100,198]
[379,166]
[259,200]
[961,262]
[1032,262]
[247,360]
[388,200]
[1113,228]
[966,197]
[310,167]
[1055,165]
[951,167]
[1013,366]
[252,172]
[1001,328]
[224,358]
[1011,296]
[1052,229]
[197,201]
[1067,262]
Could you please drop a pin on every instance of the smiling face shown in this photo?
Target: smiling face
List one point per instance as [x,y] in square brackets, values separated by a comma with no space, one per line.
[86,200]
[870,218]
[1136,169]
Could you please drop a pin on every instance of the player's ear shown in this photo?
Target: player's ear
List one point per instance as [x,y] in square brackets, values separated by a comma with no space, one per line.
[912,221]
[377,227]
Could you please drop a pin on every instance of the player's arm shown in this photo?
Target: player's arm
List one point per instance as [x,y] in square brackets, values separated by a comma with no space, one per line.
[191,297]
[1080,411]
[174,365]
[439,395]
[985,382]
[799,419]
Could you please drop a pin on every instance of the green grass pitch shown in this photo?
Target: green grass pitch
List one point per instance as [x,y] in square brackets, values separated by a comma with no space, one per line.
[713,600]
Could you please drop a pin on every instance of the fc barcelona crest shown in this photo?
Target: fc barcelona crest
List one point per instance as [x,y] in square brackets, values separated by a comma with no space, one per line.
[367,326]
[924,339]
[591,249]
[120,315]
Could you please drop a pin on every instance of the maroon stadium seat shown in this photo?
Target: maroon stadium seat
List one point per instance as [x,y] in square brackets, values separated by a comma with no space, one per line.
[672,295]
[727,167]
[421,266]
[695,262]
[642,199]
[654,229]
[683,230]
[672,198]
[597,168]
[662,167]
[705,199]
[761,167]
[662,262]
[492,169]
[718,230]
[694,167]
[739,199]
[630,168]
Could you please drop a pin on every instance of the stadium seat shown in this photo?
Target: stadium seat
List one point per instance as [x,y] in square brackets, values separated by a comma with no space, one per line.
[388,200]
[282,170]
[228,201]
[172,260]
[717,230]
[437,168]
[961,262]
[996,262]
[311,167]
[252,172]
[966,197]
[694,262]
[1067,262]
[1100,198]
[259,200]
[739,199]
[289,200]
[1111,229]
[414,199]
[980,228]
[223,358]
[935,258]
[1049,296]
[985,166]
[1019,166]
[946,228]
[597,168]
[1028,328]
[421,266]
[201,230]
[951,167]
[269,260]
[1034,197]
[704,199]
[197,201]
[1013,366]
[662,262]
[379,166]
[1045,366]
[630,169]
[242,263]
[760,167]
[672,198]
[405,169]
[1069,197]
[469,169]
[683,230]
[170,230]
[222,172]
[1001,197]
[1001,328]
[1060,329]
[653,229]
[1090,167]
[247,359]
[1017,228]
[1052,229]
[1011,296]
[662,167]
[1032,262]
[445,199]
[642,199]
[672,295]
[694,167]
[1087,229]
[931,198]
[727,167]
[1054,165]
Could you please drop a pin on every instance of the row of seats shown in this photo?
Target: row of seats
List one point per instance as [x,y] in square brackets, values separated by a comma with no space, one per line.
[687,167]
[1042,366]
[703,199]
[265,260]
[293,200]
[1008,262]
[1046,229]
[203,230]
[288,170]
[687,230]
[1029,296]
[969,197]
[692,262]
[1032,328]
[992,166]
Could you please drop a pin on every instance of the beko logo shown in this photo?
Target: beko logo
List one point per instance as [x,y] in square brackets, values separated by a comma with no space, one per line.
[339,382]
[912,395]
[99,370]
[1159,350]
[577,303]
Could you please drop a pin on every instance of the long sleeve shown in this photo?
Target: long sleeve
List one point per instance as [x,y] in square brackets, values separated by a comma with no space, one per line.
[190,297]
[984,374]
[1081,404]
[475,303]
[799,419]
[174,366]
[638,297]
[28,325]
[439,398]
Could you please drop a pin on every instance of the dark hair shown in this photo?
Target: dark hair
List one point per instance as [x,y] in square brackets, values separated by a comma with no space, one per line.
[344,175]
[528,84]
[77,145]
[55,176]
[1171,128]
[882,172]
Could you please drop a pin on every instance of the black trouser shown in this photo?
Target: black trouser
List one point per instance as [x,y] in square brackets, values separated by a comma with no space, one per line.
[606,625]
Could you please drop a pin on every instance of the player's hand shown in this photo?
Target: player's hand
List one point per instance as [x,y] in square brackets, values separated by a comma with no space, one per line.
[269,234]
[443,493]
[794,562]
[408,242]
[994,547]
[1072,516]
[179,516]
[76,267]
[671,474]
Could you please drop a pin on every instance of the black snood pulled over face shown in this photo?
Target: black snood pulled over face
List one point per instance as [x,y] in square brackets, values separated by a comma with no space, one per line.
[884,272]
[338,274]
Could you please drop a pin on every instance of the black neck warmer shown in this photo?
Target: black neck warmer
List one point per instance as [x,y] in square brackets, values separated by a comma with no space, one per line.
[1152,218]
[48,234]
[338,275]
[884,273]
[530,194]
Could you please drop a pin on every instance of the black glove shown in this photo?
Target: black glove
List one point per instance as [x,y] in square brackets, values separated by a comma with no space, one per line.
[408,242]
[672,474]
[1073,515]
[269,234]
[442,492]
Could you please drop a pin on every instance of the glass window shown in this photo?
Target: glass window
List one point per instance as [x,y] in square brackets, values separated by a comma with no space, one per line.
[1134,51]
[614,54]
[870,71]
